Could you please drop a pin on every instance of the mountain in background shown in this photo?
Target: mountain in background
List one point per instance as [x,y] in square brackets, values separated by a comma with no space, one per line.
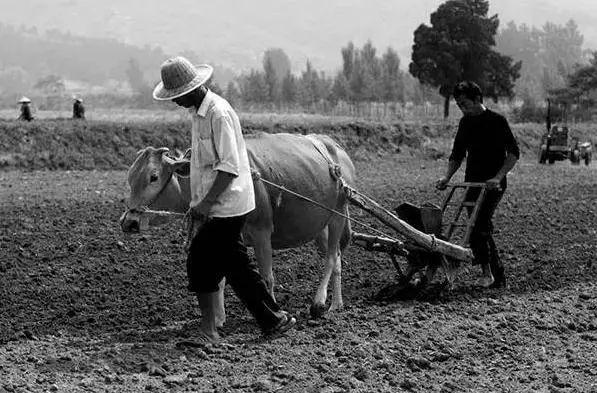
[235,33]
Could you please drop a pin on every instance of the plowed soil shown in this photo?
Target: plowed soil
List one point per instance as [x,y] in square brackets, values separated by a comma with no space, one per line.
[85,308]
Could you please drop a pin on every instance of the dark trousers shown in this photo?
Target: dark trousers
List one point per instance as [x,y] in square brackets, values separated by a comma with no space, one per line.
[481,241]
[218,251]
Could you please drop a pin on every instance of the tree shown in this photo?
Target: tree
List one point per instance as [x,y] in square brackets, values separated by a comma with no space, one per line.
[135,77]
[371,73]
[289,89]
[340,88]
[392,84]
[459,46]
[524,44]
[253,88]
[280,62]
[562,52]
[271,80]
[308,86]
[580,84]
[348,57]
[232,93]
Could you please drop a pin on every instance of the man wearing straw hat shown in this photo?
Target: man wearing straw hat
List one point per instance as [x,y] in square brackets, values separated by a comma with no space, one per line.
[221,197]
[25,109]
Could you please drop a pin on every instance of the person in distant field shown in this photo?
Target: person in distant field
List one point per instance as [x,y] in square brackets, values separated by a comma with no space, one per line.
[78,109]
[485,139]
[26,113]
[222,197]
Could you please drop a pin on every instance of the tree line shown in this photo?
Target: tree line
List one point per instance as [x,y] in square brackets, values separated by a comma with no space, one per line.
[459,44]
[365,76]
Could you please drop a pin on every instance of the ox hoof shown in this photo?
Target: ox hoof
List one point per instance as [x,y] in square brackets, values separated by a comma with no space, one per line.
[317,310]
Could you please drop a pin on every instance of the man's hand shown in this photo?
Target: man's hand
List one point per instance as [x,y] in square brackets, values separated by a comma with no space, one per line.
[201,211]
[493,183]
[442,183]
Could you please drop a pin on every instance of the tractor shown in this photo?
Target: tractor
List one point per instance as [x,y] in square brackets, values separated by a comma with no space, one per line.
[581,151]
[556,145]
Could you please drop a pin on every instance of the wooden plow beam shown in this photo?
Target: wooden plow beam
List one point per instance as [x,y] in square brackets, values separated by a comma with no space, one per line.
[379,243]
[426,241]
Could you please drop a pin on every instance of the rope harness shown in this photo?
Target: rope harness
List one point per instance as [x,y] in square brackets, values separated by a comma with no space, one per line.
[144,209]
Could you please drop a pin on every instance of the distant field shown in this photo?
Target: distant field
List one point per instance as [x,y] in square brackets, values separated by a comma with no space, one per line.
[176,115]
[104,114]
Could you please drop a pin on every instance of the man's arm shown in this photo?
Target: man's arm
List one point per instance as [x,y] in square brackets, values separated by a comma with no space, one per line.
[222,181]
[509,163]
[227,164]
[453,166]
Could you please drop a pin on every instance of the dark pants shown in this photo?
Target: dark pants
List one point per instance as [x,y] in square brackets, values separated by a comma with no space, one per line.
[481,240]
[218,251]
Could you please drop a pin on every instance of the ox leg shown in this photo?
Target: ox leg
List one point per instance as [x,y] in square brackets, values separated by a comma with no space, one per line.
[263,253]
[219,310]
[332,270]
[321,242]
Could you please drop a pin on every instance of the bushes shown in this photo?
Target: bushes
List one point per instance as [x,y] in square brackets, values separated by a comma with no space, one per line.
[67,144]
[531,113]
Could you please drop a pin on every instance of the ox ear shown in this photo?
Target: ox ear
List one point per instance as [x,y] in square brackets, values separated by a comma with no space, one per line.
[181,167]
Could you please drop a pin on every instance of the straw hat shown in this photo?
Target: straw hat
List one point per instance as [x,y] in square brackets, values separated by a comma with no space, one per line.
[179,77]
[77,99]
[24,100]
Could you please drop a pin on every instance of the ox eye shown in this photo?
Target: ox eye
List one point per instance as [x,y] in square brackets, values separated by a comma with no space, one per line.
[153,178]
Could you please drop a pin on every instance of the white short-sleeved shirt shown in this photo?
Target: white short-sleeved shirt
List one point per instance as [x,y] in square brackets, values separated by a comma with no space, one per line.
[218,145]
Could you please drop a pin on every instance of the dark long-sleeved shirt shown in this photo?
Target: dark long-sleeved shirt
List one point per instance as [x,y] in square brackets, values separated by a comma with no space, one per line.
[78,110]
[26,113]
[484,140]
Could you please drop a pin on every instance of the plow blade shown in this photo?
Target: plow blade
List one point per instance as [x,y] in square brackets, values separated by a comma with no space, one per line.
[426,241]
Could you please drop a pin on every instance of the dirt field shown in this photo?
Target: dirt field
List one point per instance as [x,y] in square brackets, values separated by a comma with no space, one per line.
[84,308]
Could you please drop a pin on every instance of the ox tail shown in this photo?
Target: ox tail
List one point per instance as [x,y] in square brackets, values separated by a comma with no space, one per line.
[346,234]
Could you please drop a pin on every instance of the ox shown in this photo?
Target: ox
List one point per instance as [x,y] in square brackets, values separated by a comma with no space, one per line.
[308,165]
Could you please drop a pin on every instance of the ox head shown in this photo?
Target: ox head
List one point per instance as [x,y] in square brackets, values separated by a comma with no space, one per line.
[148,178]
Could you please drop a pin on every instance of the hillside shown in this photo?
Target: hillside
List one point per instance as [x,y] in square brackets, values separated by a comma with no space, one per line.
[83,64]
[235,33]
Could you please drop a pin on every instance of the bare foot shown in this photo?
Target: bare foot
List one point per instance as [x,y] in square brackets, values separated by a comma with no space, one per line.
[486,281]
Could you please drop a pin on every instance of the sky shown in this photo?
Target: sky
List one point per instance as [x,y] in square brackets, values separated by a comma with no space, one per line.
[239,31]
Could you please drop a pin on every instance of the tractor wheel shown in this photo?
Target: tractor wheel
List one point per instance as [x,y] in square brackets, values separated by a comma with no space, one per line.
[551,160]
[575,157]
[587,159]
[542,154]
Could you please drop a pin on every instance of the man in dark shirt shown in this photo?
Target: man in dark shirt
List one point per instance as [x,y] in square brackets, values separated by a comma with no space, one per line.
[78,109]
[485,139]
